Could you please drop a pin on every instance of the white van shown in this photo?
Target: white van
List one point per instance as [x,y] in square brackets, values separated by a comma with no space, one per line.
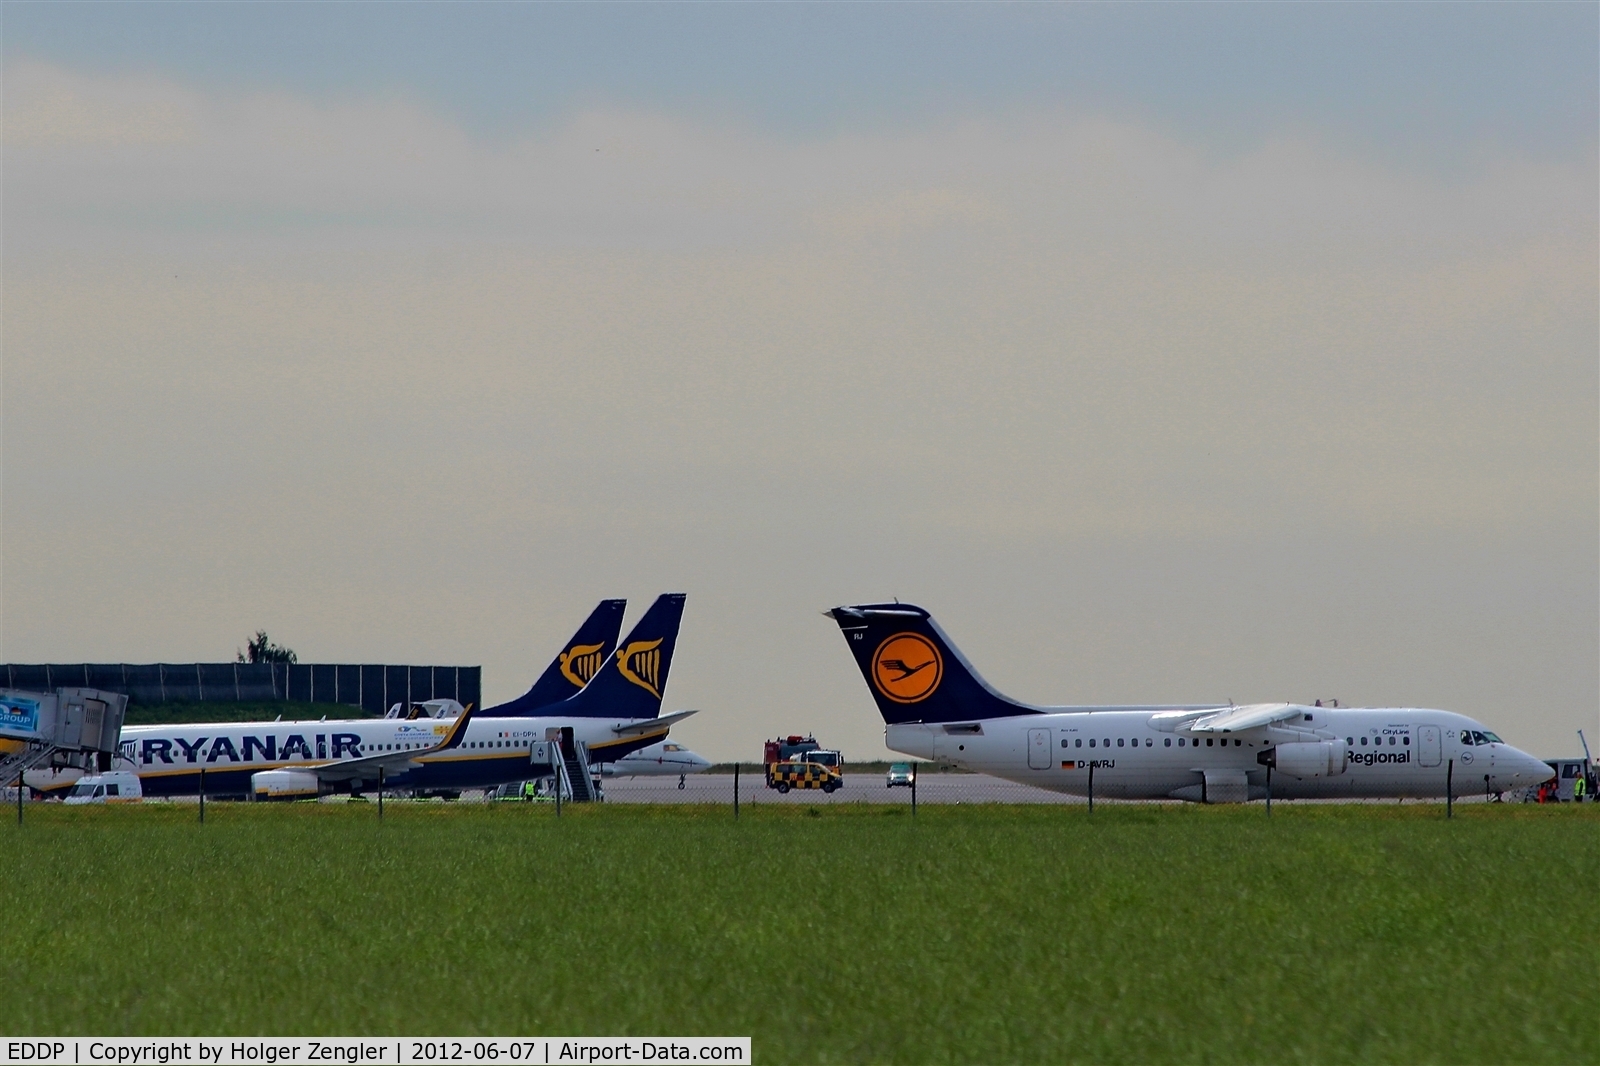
[116,786]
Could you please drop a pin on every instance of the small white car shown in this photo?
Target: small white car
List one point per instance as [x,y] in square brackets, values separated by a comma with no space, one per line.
[116,786]
[899,774]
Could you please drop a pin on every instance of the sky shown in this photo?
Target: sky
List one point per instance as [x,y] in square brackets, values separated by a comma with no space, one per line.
[1164,352]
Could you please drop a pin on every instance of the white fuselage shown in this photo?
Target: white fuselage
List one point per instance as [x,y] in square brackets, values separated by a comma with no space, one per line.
[1134,754]
[168,758]
[658,760]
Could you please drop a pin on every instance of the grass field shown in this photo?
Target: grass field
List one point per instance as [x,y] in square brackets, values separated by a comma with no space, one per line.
[986,934]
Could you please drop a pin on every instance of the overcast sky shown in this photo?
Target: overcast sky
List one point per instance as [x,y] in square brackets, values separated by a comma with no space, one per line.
[1164,352]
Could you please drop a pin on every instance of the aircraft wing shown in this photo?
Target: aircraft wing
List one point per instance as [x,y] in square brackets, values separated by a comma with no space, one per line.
[650,725]
[390,762]
[1250,716]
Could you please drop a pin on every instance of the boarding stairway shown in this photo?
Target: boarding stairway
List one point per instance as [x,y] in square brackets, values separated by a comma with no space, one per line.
[575,769]
[17,763]
[70,727]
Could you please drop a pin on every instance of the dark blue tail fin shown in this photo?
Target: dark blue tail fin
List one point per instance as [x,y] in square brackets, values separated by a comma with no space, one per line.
[630,683]
[913,670]
[578,662]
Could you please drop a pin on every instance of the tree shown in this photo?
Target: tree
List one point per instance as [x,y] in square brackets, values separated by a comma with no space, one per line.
[260,649]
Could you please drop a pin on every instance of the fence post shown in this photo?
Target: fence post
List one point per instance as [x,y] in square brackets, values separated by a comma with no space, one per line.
[1091,785]
[1269,791]
[736,792]
[1449,789]
[202,795]
[913,790]
[20,787]
[380,793]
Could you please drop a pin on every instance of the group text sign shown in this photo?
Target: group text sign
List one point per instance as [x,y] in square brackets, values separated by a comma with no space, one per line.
[370,1051]
[19,716]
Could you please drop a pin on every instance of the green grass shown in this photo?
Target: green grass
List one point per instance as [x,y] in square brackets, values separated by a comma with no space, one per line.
[186,711]
[976,933]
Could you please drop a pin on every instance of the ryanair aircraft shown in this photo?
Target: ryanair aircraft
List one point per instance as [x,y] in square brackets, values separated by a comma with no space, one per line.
[618,711]
[935,706]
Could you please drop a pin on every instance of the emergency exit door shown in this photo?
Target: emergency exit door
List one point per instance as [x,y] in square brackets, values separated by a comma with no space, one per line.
[1428,749]
[1038,749]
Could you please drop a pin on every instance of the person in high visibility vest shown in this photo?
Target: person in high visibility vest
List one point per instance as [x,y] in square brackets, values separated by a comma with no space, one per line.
[530,789]
[1579,786]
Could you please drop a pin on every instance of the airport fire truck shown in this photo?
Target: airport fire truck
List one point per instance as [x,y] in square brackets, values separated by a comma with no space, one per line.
[800,762]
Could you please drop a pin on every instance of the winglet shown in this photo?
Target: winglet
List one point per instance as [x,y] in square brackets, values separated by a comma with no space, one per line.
[458,731]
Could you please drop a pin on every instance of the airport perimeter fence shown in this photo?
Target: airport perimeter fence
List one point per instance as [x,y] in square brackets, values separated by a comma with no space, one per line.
[933,789]
[373,688]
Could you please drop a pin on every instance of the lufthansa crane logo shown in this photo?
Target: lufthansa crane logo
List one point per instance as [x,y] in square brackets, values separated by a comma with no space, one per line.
[907,667]
[640,662]
[579,663]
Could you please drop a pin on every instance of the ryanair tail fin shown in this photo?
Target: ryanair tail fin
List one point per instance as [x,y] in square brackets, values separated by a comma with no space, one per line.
[578,662]
[630,682]
[913,670]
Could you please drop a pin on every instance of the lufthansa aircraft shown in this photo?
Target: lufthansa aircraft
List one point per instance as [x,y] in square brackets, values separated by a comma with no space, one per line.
[935,706]
[617,712]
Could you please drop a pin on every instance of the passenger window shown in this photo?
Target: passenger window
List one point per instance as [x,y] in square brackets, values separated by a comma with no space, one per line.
[1210,741]
[1406,741]
[1350,742]
[99,790]
[1391,742]
[1180,742]
[1119,742]
[1363,742]
[1078,743]
[1063,742]
[1091,742]
[113,790]
[1106,743]
[1168,743]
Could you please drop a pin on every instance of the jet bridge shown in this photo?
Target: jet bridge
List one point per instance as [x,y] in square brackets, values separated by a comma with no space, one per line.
[70,727]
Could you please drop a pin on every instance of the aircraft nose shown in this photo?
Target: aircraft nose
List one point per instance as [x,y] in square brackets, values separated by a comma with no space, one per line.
[1538,771]
[1524,769]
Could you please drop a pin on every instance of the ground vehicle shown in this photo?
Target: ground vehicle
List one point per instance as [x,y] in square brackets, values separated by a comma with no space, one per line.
[800,762]
[800,774]
[1559,789]
[899,774]
[115,786]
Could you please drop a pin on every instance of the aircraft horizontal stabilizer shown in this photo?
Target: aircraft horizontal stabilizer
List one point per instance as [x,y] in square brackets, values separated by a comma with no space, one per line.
[653,725]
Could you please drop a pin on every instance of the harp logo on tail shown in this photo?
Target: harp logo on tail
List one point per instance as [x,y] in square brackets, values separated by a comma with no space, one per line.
[640,662]
[907,668]
[579,663]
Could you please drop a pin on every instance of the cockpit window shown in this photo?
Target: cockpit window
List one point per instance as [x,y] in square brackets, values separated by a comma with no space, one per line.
[1466,738]
[1490,738]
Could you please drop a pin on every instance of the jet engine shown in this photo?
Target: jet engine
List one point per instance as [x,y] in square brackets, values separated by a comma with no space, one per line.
[1321,758]
[286,785]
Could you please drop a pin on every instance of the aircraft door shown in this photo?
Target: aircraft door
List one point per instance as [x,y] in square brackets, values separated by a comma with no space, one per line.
[1038,749]
[1428,748]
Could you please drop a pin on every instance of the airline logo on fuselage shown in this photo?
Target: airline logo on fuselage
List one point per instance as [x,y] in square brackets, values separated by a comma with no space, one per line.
[907,668]
[579,662]
[640,662]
